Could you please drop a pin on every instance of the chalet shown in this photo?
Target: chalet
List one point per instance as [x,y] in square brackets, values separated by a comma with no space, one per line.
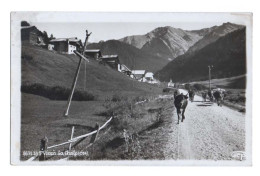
[93,54]
[170,84]
[65,45]
[138,74]
[148,76]
[124,69]
[111,60]
[30,34]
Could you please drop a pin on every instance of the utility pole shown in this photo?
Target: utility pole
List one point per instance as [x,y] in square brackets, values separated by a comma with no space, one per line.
[210,66]
[76,74]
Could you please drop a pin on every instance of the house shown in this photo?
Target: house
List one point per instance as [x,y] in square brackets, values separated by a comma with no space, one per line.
[93,53]
[138,74]
[170,84]
[148,77]
[30,34]
[65,45]
[124,69]
[111,60]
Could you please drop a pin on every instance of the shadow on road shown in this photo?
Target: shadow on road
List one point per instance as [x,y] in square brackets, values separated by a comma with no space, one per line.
[204,105]
[202,101]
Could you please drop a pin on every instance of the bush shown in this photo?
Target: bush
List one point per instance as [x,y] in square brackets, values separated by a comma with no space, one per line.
[56,92]
[187,86]
[199,87]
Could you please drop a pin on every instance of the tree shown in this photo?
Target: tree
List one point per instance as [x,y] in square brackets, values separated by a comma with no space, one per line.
[25,23]
[45,37]
[51,37]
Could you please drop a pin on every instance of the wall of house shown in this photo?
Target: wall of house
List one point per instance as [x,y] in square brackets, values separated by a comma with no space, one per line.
[33,38]
[61,47]
[50,47]
[71,49]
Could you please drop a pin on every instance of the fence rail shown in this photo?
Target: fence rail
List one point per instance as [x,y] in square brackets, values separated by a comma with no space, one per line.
[78,139]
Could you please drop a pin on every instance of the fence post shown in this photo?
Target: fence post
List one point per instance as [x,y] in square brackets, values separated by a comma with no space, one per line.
[72,133]
[43,148]
[94,136]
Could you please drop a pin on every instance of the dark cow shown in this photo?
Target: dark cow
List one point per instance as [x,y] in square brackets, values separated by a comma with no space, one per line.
[181,102]
[210,94]
[204,96]
[191,95]
[218,97]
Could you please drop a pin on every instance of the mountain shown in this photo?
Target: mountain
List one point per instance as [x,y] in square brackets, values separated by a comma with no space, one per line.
[166,42]
[131,56]
[227,55]
[214,34]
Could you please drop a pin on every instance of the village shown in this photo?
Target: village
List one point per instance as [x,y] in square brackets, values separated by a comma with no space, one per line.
[129,111]
[68,46]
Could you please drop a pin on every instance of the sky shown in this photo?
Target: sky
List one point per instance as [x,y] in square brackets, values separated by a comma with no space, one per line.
[112,30]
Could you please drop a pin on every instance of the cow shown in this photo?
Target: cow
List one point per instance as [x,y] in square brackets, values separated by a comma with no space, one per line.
[204,96]
[181,102]
[210,94]
[218,97]
[191,95]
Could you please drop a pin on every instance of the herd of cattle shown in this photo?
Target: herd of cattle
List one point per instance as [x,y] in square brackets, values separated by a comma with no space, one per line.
[181,100]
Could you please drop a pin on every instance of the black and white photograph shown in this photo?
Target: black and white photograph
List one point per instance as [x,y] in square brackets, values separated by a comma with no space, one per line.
[131,88]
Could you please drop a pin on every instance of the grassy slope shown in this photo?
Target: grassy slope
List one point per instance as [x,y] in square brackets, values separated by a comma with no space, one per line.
[238,82]
[41,116]
[52,69]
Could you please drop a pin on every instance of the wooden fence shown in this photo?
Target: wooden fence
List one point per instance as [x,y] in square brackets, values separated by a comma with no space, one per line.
[76,140]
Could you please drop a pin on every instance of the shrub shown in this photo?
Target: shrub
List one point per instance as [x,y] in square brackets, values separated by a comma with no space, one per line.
[187,86]
[56,92]
[199,87]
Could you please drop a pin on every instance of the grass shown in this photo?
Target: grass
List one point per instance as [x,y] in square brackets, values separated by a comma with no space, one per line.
[44,117]
[46,81]
[51,69]
[237,82]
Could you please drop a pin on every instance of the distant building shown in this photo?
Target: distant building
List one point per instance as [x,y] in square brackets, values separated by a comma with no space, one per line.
[111,60]
[124,69]
[148,76]
[30,34]
[138,74]
[93,53]
[65,45]
[170,84]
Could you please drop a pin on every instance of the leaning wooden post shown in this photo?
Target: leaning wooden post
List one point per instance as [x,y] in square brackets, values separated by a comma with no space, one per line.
[94,136]
[43,148]
[76,76]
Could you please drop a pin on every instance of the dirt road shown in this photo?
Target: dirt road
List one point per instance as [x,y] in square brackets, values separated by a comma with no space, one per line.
[208,132]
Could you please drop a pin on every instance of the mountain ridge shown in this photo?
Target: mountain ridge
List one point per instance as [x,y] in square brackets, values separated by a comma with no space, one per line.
[227,54]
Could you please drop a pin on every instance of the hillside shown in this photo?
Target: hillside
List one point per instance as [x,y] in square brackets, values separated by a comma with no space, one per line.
[51,69]
[238,82]
[166,42]
[132,57]
[227,55]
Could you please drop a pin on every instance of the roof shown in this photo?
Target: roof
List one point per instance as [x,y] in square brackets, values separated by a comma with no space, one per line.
[138,72]
[125,67]
[149,74]
[65,39]
[27,27]
[92,51]
[109,56]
